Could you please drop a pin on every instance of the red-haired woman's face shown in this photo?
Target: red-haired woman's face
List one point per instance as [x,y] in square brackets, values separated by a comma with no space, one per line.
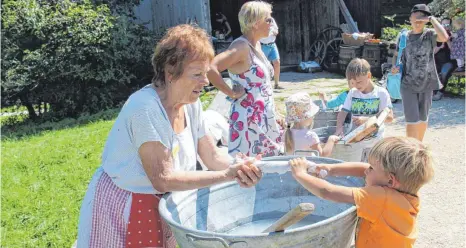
[189,85]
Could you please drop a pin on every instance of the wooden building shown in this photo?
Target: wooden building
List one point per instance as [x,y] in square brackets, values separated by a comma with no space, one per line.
[299,21]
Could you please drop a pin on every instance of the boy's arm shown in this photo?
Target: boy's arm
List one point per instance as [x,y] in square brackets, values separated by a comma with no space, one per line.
[355,169]
[340,120]
[339,100]
[324,189]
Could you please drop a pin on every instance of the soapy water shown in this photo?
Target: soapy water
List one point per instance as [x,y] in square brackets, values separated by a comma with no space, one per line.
[255,227]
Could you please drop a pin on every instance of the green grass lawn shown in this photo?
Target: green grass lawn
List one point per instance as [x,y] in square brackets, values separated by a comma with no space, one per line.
[44,179]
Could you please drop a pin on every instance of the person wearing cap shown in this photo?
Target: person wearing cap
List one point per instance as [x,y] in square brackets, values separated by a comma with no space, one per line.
[419,76]
[271,51]
[300,112]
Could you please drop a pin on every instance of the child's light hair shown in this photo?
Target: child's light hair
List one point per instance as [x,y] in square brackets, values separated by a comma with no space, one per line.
[357,67]
[289,141]
[407,159]
[251,12]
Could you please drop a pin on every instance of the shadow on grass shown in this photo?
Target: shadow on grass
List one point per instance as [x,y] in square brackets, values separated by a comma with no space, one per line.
[20,126]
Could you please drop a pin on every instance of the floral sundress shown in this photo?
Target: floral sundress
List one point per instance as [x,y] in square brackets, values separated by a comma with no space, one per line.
[457,50]
[253,124]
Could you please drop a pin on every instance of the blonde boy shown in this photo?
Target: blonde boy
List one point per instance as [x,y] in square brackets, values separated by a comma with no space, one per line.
[388,205]
[365,99]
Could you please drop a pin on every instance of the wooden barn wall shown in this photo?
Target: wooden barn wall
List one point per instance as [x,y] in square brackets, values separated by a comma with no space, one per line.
[316,16]
[287,14]
[299,23]
[158,15]
[367,13]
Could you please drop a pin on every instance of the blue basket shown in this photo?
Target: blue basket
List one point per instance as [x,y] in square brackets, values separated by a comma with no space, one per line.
[394,80]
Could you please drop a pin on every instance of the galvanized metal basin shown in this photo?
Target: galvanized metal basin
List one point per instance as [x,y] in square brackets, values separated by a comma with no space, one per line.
[354,152]
[229,216]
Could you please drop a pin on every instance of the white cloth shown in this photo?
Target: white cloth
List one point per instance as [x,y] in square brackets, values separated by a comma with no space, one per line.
[271,38]
[143,119]
[216,126]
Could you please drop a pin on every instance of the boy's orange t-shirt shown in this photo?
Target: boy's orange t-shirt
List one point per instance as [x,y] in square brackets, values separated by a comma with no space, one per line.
[387,217]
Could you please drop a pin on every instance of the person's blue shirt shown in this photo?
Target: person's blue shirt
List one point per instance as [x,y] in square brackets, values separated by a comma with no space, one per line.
[338,101]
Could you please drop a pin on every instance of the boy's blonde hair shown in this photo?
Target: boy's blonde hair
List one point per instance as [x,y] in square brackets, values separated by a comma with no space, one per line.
[408,159]
[251,12]
[357,67]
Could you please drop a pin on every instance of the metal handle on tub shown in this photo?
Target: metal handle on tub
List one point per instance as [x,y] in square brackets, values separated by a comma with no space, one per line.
[317,154]
[193,238]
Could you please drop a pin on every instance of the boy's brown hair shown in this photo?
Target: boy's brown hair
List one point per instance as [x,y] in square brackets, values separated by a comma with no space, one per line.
[408,159]
[357,67]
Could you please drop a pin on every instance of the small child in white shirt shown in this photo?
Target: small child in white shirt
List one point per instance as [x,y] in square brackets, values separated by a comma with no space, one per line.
[300,112]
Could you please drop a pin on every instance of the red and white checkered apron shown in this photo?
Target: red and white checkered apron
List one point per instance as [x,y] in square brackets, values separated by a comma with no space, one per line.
[145,227]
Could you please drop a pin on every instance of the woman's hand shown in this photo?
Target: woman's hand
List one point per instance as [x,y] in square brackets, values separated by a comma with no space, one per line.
[395,69]
[238,91]
[359,120]
[244,171]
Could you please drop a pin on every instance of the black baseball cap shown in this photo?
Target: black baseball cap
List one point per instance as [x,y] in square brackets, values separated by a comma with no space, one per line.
[421,8]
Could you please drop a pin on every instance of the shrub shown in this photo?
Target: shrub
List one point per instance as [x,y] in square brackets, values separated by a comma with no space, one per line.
[74,56]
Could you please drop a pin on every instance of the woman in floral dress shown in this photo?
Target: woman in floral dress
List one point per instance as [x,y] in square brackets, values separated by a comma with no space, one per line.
[253,119]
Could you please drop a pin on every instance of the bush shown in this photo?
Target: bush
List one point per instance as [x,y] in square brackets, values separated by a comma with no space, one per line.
[74,56]
[448,8]
[391,33]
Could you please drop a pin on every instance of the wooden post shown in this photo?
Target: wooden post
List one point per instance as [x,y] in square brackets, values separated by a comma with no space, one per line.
[349,20]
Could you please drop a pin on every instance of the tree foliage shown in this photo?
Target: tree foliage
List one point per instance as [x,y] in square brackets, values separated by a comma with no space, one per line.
[74,56]
[447,8]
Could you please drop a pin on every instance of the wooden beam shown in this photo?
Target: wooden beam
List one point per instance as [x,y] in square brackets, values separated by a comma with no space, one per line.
[349,20]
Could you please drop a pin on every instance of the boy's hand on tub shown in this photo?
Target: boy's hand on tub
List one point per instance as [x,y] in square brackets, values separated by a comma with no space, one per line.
[299,166]
[302,165]
[395,69]
[321,170]
[339,132]
[359,120]
[333,139]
